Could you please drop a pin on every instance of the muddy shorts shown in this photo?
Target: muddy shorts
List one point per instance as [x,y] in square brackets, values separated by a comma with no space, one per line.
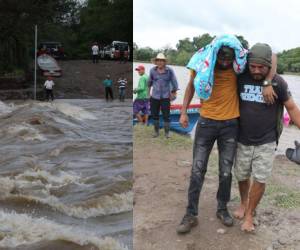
[257,160]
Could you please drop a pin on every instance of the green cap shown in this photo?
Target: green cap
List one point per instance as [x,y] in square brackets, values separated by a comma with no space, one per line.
[260,53]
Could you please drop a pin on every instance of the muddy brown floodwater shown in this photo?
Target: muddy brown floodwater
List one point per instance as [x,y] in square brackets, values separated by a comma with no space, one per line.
[66,175]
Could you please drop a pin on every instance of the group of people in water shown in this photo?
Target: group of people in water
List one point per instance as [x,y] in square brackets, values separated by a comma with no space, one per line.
[107,84]
[242,101]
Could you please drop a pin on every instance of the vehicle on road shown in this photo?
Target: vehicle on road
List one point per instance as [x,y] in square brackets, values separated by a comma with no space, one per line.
[54,49]
[116,50]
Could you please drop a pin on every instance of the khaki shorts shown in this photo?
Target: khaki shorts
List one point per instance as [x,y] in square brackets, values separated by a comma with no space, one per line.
[257,160]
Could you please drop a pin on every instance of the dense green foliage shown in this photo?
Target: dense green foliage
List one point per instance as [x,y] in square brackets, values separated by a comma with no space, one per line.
[76,24]
[288,61]
[185,48]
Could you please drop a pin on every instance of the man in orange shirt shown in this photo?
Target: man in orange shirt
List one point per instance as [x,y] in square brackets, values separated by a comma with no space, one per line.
[218,122]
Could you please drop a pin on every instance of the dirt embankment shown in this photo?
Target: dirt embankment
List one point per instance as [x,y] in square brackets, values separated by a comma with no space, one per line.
[83,79]
[80,79]
[161,177]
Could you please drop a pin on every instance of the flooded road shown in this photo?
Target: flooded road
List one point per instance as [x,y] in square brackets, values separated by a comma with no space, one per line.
[66,175]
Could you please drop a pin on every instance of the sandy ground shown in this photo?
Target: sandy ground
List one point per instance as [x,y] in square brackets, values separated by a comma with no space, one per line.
[161,176]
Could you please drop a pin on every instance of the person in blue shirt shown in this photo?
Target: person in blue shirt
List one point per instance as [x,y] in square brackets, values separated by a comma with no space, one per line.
[164,85]
[108,88]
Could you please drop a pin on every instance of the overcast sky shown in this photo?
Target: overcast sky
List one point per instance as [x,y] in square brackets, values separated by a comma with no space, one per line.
[158,23]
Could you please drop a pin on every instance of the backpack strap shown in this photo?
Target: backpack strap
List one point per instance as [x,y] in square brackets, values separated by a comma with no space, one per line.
[279,125]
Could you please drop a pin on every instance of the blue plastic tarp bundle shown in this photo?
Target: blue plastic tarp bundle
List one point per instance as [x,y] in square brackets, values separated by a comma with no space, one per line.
[204,60]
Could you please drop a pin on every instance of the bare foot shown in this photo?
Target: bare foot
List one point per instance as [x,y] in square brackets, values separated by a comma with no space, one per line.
[239,213]
[248,225]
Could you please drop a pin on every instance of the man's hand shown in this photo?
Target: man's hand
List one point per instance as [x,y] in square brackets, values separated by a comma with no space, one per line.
[269,94]
[173,95]
[184,120]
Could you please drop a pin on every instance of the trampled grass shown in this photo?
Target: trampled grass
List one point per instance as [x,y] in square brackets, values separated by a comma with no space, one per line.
[282,196]
[143,134]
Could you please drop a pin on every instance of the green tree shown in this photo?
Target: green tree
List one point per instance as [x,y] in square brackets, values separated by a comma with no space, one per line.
[17,20]
[201,41]
[185,45]
[145,54]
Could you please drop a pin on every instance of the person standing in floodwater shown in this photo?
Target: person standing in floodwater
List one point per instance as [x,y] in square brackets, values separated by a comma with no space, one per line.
[108,88]
[122,86]
[49,83]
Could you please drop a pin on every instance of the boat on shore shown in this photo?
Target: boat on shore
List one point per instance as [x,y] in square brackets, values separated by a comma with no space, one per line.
[48,65]
[192,111]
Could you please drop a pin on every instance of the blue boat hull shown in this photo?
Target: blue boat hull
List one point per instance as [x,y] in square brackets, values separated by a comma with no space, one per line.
[193,114]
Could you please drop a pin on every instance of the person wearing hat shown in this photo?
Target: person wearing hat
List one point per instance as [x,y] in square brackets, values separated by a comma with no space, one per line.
[260,128]
[108,88]
[219,123]
[141,106]
[164,86]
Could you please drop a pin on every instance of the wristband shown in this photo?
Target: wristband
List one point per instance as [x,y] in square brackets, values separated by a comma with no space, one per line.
[267,83]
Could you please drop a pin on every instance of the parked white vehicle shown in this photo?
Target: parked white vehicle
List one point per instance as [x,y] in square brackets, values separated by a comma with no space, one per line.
[116,50]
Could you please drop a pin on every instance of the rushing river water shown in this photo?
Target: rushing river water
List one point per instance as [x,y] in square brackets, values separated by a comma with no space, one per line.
[182,74]
[66,175]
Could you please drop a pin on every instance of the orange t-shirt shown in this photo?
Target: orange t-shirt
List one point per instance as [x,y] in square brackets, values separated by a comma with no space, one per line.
[223,103]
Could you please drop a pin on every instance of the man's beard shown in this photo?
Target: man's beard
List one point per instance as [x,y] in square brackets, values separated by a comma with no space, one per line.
[258,77]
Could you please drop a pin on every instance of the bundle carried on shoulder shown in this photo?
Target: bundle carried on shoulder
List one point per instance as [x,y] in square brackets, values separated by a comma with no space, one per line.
[204,60]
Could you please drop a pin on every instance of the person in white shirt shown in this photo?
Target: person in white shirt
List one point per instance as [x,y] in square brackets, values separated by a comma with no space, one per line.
[122,86]
[95,52]
[49,88]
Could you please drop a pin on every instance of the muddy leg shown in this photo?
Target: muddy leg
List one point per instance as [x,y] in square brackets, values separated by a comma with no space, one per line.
[256,192]
[239,213]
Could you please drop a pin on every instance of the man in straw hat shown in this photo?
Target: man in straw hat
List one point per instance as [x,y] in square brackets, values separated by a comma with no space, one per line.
[218,122]
[260,128]
[164,85]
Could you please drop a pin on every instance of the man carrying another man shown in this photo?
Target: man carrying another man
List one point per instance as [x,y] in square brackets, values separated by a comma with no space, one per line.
[218,122]
[259,130]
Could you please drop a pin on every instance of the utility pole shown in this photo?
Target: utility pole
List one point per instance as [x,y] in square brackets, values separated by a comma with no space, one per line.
[35,63]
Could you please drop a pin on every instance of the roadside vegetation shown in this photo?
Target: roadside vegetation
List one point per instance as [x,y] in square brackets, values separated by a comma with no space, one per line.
[76,24]
[288,60]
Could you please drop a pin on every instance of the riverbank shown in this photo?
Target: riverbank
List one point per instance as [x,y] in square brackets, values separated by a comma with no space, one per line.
[81,79]
[292,73]
[161,176]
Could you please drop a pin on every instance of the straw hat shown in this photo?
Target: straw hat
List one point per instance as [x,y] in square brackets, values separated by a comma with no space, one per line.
[160,56]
